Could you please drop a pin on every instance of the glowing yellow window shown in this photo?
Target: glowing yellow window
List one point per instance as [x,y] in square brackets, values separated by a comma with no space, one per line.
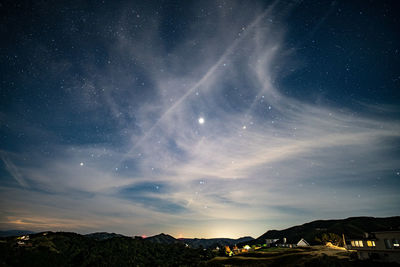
[360,243]
[353,244]
[370,243]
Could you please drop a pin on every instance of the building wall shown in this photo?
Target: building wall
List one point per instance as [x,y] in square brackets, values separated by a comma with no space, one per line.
[387,247]
[388,240]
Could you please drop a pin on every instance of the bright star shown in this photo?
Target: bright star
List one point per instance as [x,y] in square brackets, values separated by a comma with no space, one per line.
[201,120]
[81,163]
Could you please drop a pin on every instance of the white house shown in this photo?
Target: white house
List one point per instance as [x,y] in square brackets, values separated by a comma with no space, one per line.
[303,243]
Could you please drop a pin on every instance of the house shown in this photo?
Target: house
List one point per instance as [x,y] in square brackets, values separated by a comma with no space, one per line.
[247,247]
[284,243]
[228,251]
[270,242]
[24,237]
[379,246]
[302,243]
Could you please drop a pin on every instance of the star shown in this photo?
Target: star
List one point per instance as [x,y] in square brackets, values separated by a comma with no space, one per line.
[81,164]
[201,120]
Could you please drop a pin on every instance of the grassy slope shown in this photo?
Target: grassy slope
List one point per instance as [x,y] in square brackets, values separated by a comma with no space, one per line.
[308,257]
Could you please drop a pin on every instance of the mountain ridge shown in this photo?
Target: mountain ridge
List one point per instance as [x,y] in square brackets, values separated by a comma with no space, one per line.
[213,242]
[197,242]
[103,235]
[352,227]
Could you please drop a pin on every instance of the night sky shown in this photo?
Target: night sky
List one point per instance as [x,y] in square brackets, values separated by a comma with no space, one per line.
[197,118]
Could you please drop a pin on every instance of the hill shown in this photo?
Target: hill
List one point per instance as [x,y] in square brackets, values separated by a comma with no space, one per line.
[214,242]
[353,227]
[197,242]
[103,235]
[71,249]
[163,239]
[7,233]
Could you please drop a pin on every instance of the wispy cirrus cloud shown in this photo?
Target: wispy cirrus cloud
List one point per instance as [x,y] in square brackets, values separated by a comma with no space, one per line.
[261,156]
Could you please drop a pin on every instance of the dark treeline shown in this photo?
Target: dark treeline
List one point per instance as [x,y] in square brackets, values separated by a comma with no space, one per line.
[70,249]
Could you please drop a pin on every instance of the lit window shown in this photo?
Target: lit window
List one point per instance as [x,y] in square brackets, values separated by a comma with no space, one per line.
[358,243]
[370,243]
[353,244]
[396,243]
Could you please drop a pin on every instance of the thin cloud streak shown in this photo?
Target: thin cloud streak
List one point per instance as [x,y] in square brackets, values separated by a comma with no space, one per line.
[13,170]
[258,156]
[204,79]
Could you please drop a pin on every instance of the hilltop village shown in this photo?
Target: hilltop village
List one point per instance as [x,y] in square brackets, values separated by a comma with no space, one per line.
[268,243]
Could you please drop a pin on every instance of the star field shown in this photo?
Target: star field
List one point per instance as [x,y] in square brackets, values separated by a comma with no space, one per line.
[197,118]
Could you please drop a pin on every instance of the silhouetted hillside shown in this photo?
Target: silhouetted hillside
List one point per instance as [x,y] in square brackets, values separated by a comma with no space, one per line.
[103,235]
[214,242]
[353,227]
[70,249]
[163,239]
[197,242]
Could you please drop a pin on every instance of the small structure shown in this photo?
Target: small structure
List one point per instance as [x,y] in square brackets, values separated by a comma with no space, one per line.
[379,246]
[283,243]
[302,243]
[236,250]
[24,237]
[270,242]
[228,251]
[247,247]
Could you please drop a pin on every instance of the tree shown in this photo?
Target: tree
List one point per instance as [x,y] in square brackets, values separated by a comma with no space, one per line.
[330,237]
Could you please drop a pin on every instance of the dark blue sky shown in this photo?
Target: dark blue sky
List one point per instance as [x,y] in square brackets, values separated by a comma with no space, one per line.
[210,118]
